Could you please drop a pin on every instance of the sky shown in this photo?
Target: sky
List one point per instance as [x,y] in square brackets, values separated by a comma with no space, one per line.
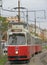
[30,5]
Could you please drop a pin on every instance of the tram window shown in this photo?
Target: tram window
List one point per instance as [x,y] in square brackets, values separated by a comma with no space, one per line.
[38,41]
[28,39]
[32,40]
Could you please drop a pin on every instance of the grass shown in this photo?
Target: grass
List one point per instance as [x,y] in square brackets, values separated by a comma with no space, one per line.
[45,47]
[3,60]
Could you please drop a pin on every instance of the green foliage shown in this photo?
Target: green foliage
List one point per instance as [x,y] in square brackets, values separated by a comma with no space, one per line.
[2,19]
[45,47]
[4,24]
[34,33]
[3,60]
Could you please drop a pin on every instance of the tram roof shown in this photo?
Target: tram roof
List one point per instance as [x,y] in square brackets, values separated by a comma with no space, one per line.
[20,23]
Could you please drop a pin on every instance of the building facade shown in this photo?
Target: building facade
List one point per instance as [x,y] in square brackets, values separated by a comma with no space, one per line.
[44,34]
[32,29]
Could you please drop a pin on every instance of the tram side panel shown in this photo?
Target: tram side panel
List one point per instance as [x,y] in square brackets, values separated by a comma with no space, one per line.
[38,48]
[38,45]
[33,47]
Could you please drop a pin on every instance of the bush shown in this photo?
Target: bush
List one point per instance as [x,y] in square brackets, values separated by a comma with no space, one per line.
[3,60]
[45,47]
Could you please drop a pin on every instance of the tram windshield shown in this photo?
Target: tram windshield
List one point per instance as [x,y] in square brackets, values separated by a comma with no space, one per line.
[17,39]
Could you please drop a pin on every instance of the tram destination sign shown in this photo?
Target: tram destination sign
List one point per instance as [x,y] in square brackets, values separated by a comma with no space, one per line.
[17,26]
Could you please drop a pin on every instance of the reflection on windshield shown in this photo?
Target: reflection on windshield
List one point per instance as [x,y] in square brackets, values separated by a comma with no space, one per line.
[17,39]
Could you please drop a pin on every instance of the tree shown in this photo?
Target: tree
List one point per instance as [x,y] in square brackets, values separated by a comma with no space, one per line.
[4,24]
[3,27]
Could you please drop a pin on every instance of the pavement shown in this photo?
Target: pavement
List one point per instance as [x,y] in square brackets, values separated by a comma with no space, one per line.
[44,60]
[35,61]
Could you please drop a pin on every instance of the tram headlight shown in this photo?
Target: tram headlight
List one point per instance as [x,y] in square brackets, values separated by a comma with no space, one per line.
[16,52]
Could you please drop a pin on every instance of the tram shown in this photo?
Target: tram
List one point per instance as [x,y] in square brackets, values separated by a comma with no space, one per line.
[19,45]
[22,45]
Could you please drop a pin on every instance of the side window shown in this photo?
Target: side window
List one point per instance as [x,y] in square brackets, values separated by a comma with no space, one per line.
[32,40]
[28,39]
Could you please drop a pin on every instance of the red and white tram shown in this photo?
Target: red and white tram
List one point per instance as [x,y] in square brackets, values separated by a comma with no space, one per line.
[22,45]
[19,45]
